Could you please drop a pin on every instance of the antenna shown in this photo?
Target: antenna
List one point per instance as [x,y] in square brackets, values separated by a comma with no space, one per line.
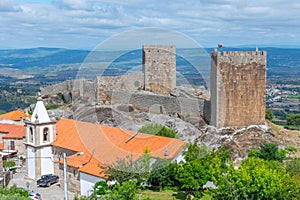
[131,137]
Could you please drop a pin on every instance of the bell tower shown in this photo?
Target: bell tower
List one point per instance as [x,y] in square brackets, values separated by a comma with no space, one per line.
[40,133]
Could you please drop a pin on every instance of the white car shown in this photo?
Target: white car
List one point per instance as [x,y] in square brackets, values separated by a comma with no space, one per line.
[34,195]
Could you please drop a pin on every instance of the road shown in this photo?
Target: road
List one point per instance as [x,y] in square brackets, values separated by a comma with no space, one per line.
[54,192]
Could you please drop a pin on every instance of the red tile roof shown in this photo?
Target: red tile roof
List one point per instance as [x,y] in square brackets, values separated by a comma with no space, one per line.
[103,145]
[13,115]
[13,131]
[1,146]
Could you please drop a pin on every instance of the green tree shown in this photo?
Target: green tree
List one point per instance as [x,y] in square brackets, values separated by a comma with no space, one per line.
[201,166]
[195,152]
[124,191]
[100,188]
[159,176]
[270,151]
[254,153]
[293,119]
[255,179]
[269,114]
[192,176]
[293,167]
[127,169]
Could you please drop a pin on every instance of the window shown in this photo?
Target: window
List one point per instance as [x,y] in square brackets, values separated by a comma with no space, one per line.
[30,134]
[46,134]
[12,145]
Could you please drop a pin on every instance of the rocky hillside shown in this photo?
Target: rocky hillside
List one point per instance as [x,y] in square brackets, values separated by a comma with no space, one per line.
[239,141]
[188,128]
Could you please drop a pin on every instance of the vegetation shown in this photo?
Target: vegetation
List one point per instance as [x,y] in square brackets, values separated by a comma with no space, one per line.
[293,119]
[124,191]
[100,188]
[263,175]
[269,114]
[126,169]
[50,106]
[9,163]
[10,99]
[268,151]
[158,129]
[13,193]
[293,167]
[257,179]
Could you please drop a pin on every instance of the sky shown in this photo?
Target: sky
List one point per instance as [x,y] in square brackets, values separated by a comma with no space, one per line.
[84,24]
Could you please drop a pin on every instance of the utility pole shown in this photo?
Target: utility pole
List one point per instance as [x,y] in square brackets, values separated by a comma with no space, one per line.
[65,176]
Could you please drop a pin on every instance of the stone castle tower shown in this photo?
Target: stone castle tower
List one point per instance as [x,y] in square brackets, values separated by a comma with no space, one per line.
[159,68]
[238,83]
[40,133]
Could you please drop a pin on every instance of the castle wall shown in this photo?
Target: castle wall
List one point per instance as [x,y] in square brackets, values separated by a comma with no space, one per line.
[127,82]
[153,103]
[78,89]
[159,68]
[238,82]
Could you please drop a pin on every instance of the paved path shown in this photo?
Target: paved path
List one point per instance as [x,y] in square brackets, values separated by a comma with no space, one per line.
[54,192]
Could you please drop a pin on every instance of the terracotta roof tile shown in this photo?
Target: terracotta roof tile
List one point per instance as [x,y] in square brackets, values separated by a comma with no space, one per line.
[13,131]
[109,144]
[67,135]
[13,115]
[94,167]
[1,146]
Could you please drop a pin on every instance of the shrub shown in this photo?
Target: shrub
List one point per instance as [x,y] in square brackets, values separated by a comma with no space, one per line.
[50,106]
[158,129]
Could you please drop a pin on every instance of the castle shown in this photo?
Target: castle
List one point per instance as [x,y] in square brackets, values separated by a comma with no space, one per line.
[238,85]
[238,81]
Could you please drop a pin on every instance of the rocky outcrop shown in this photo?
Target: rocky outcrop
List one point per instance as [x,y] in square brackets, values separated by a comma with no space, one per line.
[239,141]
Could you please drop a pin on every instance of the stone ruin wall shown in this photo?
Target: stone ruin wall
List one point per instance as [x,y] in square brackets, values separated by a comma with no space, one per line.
[159,68]
[73,90]
[238,83]
[161,104]
[128,82]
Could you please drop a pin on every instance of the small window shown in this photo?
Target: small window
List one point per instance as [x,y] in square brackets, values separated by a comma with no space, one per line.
[12,145]
[46,134]
[30,134]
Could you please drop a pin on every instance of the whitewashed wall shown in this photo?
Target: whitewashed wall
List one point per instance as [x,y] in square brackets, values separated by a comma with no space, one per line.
[31,159]
[87,183]
[47,164]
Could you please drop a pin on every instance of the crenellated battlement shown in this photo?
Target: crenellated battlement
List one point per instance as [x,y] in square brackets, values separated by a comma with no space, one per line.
[238,57]
[238,53]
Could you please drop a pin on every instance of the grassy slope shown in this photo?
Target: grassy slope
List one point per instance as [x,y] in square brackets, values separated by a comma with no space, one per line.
[288,137]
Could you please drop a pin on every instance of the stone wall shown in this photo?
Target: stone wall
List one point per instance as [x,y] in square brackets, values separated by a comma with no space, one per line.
[159,68]
[79,89]
[72,173]
[238,82]
[127,82]
[161,104]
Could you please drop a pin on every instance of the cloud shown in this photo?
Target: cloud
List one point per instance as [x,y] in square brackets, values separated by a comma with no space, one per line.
[85,23]
[74,4]
[9,6]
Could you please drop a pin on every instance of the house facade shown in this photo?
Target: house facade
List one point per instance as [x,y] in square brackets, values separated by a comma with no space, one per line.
[12,138]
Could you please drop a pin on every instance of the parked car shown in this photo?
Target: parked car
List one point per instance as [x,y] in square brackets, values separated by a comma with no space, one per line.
[35,196]
[47,180]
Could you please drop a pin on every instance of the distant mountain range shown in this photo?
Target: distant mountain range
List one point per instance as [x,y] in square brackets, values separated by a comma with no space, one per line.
[282,62]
